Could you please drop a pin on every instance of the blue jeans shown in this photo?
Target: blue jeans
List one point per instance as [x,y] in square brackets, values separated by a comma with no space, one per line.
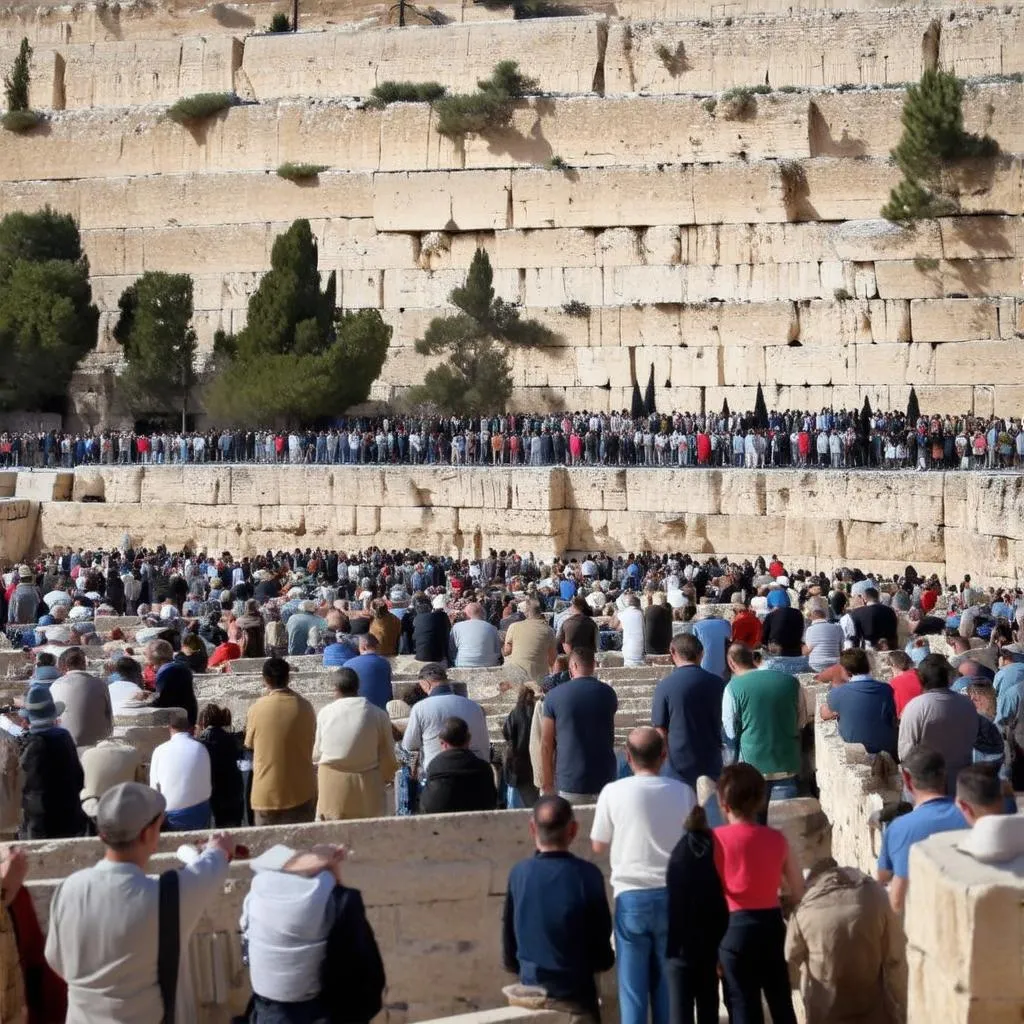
[188,819]
[641,937]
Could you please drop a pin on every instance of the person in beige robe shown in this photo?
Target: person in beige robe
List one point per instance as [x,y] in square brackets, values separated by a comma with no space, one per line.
[354,751]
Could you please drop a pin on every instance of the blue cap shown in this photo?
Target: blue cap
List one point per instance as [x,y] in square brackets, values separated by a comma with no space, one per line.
[778,598]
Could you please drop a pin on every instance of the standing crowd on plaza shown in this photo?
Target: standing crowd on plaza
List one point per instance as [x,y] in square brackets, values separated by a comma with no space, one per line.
[703,887]
[825,439]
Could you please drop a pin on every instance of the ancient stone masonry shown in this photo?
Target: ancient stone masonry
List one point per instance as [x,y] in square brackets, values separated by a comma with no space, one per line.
[722,239]
[949,523]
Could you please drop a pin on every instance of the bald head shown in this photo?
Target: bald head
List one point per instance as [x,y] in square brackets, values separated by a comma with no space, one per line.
[645,750]
[474,610]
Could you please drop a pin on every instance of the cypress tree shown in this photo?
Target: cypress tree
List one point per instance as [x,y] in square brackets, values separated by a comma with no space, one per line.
[760,410]
[913,409]
[17,82]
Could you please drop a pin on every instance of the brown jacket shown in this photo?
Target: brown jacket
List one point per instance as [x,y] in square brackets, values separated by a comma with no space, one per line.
[850,950]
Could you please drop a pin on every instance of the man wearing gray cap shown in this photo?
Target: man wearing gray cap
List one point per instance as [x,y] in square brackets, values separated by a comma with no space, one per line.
[105,920]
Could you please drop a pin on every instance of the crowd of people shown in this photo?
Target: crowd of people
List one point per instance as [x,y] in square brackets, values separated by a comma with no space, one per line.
[827,438]
[702,886]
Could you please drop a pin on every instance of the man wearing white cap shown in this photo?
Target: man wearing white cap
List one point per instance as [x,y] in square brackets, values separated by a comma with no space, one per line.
[105,921]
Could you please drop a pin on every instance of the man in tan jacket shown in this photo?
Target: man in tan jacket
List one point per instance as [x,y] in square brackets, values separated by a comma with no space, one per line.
[848,947]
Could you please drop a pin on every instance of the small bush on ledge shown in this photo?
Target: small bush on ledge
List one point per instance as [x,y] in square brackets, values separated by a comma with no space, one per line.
[490,107]
[192,109]
[300,172]
[741,102]
[557,163]
[387,93]
[576,308]
[279,23]
[21,120]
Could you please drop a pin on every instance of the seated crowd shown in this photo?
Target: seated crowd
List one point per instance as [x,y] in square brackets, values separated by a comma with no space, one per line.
[699,879]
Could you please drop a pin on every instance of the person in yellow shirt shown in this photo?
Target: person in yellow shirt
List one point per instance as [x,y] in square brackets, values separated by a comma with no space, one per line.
[280,730]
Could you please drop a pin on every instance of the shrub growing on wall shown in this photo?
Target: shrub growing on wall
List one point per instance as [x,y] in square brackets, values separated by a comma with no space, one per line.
[490,107]
[933,140]
[386,93]
[193,109]
[19,117]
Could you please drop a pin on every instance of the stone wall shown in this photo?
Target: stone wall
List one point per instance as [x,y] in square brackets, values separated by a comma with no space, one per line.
[949,523]
[721,247]
[965,934]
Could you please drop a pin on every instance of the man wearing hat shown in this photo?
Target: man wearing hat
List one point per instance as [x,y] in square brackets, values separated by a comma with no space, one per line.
[104,920]
[51,771]
[25,598]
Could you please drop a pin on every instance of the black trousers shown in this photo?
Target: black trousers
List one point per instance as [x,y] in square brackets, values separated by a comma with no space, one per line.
[753,961]
[693,989]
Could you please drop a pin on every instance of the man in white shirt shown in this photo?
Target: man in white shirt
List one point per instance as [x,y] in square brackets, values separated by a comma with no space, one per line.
[641,819]
[103,930]
[180,771]
[631,621]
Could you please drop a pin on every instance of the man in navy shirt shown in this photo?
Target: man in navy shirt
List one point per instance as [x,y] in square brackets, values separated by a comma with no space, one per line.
[924,775]
[865,707]
[374,672]
[687,711]
[557,923]
[578,733]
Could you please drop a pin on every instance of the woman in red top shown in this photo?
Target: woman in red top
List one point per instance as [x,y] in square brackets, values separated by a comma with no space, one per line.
[753,861]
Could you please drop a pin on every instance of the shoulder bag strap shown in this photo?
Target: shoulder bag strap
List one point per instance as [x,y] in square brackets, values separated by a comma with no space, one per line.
[169,943]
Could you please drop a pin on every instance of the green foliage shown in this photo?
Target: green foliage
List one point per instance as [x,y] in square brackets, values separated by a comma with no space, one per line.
[386,93]
[741,101]
[17,82]
[300,172]
[933,139]
[489,108]
[841,295]
[709,105]
[477,375]
[576,308]
[192,109]
[19,118]
[159,344]
[47,319]
[279,23]
[297,358]
[556,163]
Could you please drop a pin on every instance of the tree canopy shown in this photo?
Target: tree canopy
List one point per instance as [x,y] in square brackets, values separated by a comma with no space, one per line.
[47,319]
[155,331]
[477,375]
[297,358]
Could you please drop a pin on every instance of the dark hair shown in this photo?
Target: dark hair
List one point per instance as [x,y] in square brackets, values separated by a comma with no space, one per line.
[856,662]
[346,682]
[870,594]
[979,785]
[742,789]
[213,716]
[742,655]
[72,660]
[584,657]
[552,816]
[454,731]
[45,660]
[526,698]
[696,820]
[933,671]
[900,660]
[276,672]
[687,646]
[927,769]
[647,752]
[369,641]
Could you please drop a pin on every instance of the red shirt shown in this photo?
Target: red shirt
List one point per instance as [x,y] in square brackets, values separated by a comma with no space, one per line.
[776,569]
[749,859]
[905,687]
[928,599]
[746,628]
[226,651]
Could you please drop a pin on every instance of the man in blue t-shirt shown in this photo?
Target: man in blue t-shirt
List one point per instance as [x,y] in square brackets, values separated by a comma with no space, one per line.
[715,635]
[865,707]
[578,734]
[374,672]
[924,775]
[687,711]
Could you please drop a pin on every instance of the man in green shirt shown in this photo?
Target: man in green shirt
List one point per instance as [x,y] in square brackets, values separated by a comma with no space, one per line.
[763,712]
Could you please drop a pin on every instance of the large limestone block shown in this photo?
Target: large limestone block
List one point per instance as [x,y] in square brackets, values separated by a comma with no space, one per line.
[995,505]
[839,189]
[967,551]
[852,321]
[422,289]
[657,490]
[899,363]
[954,320]
[974,237]
[440,201]
[602,198]
[964,918]
[563,56]
[738,193]
[555,286]
[557,248]
[974,362]
[596,489]
[626,286]
[900,542]
[44,485]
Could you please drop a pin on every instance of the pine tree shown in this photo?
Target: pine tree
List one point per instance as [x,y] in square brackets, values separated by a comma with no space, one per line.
[477,375]
[913,409]
[17,82]
[760,410]
[725,408]
[933,139]
[155,331]
[636,404]
[297,358]
[650,405]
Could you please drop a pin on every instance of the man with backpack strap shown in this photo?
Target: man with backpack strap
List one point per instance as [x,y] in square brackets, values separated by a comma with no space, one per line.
[118,937]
